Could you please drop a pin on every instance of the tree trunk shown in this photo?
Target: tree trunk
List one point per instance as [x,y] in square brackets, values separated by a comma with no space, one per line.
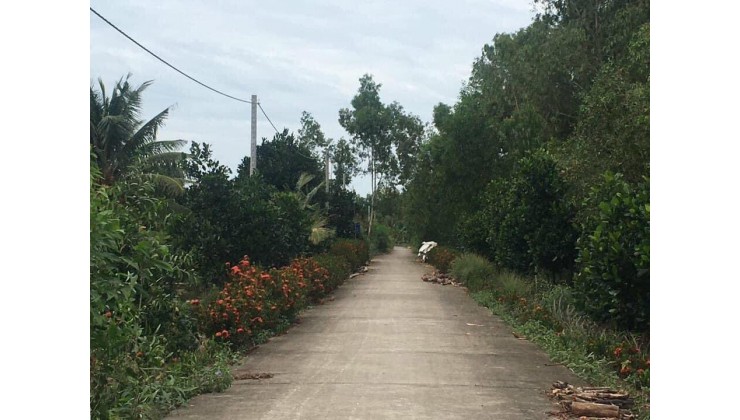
[372,193]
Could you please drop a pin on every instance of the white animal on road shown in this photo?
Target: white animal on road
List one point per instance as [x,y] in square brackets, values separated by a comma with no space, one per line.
[425,247]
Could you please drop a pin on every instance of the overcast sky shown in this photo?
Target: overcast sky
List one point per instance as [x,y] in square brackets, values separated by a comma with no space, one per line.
[294,55]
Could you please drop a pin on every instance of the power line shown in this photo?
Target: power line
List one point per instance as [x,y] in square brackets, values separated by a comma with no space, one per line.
[276,131]
[268,118]
[173,67]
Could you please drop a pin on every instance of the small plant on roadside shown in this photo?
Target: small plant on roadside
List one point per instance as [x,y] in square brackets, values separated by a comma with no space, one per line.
[474,271]
[441,258]
[355,251]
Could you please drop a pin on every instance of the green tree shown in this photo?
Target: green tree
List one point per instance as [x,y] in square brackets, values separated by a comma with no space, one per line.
[124,144]
[282,160]
[346,164]
[310,135]
[378,133]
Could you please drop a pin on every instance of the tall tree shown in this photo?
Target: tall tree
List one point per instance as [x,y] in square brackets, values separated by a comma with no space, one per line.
[310,135]
[125,144]
[282,160]
[378,131]
[346,164]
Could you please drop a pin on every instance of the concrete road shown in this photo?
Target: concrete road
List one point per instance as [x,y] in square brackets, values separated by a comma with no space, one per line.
[390,346]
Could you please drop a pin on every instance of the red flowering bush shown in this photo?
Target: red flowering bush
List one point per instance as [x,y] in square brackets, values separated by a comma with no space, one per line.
[338,268]
[633,363]
[255,300]
[355,251]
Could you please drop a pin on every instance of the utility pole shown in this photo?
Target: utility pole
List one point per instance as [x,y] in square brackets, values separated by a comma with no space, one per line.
[253,159]
[326,176]
[326,170]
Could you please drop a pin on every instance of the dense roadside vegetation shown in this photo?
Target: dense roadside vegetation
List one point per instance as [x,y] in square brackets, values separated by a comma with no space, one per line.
[536,185]
[189,265]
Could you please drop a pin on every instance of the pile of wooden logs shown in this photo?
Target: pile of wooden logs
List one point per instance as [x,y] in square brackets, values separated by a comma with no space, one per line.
[591,403]
[440,278]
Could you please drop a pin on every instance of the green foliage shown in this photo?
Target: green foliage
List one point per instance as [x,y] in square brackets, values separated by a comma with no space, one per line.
[528,219]
[338,267]
[140,329]
[512,285]
[441,257]
[381,239]
[342,209]
[282,160]
[124,145]
[384,134]
[229,218]
[346,164]
[354,251]
[474,271]
[613,280]
[547,316]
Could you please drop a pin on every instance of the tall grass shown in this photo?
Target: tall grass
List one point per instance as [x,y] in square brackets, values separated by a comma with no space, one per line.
[474,271]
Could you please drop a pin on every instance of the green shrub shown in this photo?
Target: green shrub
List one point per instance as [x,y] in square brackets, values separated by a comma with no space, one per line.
[441,258]
[139,326]
[512,285]
[339,269]
[613,279]
[355,251]
[381,240]
[474,271]
[529,221]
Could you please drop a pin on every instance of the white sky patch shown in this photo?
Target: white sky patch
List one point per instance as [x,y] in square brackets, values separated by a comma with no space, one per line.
[296,56]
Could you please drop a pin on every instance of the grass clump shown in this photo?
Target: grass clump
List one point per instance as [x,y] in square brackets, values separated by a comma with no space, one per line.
[474,271]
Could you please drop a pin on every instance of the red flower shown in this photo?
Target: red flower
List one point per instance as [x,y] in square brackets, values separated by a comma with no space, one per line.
[235,269]
[618,352]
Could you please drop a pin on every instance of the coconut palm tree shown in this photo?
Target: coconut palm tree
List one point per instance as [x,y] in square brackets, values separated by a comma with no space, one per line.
[125,145]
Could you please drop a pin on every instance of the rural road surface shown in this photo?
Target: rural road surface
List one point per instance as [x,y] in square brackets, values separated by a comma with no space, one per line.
[390,346]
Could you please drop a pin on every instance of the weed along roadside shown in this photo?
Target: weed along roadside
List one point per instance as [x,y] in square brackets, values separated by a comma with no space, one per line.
[615,362]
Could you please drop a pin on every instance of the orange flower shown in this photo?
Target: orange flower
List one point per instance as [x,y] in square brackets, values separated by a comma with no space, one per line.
[618,352]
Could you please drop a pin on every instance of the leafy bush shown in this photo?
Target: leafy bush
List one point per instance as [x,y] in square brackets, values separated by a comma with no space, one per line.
[227,218]
[355,251]
[474,271]
[529,221]
[381,239]
[613,279]
[139,326]
[441,258]
[512,285]
[339,269]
